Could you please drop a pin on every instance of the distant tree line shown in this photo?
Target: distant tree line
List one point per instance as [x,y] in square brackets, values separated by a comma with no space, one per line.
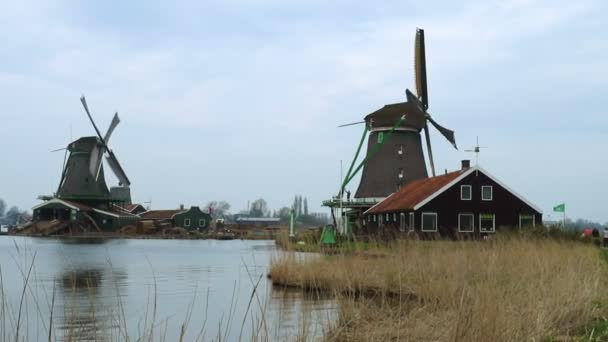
[13,215]
[259,208]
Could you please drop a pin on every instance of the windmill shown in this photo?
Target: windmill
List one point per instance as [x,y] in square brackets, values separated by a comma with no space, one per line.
[394,151]
[83,178]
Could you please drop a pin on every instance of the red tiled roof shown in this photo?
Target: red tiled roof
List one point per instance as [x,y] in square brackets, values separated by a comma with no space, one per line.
[413,193]
[159,214]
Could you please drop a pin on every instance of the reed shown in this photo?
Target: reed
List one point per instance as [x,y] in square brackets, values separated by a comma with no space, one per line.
[504,290]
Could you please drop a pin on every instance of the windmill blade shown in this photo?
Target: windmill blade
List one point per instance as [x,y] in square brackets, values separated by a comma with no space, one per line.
[429,149]
[59,149]
[352,123]
[417,105]
[95,161]
[420,65]
[117,169]
[113,124]
[447,133]
[86,109]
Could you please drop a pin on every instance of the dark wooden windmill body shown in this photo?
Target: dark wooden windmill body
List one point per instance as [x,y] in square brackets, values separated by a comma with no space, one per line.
[395,154]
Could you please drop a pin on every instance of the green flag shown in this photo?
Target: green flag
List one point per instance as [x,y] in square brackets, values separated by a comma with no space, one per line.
[560,208]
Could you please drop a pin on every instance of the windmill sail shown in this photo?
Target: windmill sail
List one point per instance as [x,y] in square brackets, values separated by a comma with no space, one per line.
[420,64]
[447,133]
[117,169]
[113,124]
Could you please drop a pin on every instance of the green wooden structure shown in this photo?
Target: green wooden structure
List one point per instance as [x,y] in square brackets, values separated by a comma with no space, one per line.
[192,219]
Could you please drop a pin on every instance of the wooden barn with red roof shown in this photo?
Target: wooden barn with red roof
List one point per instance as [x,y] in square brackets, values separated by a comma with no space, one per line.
[469,201]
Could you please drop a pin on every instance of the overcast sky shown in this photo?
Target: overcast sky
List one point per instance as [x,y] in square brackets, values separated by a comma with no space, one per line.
[238,100]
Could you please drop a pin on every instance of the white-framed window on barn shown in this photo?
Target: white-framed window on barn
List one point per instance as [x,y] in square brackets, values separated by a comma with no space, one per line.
[486,192]
[374,217]
[387,218]
[402,222]
[394,217]
[466,192]
[201,222]
[466,223]
[526,221]
[487,223]
[187,222]
[429,222]
[412,224]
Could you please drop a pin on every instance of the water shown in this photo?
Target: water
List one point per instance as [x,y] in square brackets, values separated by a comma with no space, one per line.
[108,290]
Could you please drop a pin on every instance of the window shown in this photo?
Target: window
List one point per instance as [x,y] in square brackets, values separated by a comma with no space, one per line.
[400,149]
[486,192]
[401,174]
[486,223]
[402,223]
[466,223]
[394,217]
[429,222]
[412,222]
[374,216]
[187,222]
[466,192]
[201,222]
[526,221]
[387,218]
[380,137]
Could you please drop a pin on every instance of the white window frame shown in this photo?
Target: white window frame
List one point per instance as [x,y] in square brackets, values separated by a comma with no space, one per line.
[402,222]
[412,222]
[470,192]
[186,222]
[374,216]
[491,192]
[201,222]
[395,217]
[400,149]
[493,224]
[472,220]
[533,219]
[388,218]
[422,222]
[401,174]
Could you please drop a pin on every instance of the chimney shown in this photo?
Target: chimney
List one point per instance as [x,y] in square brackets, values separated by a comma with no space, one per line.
[181,207]
[465,164]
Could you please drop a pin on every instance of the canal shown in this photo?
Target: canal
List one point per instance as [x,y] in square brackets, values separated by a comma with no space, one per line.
[130,289]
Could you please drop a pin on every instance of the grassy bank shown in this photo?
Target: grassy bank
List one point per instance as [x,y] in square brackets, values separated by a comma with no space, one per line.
[504,290]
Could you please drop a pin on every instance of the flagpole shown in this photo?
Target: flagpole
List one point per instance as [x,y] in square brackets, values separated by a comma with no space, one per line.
[564,215]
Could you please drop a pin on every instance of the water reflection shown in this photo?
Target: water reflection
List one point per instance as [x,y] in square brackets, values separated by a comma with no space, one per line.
[106,290]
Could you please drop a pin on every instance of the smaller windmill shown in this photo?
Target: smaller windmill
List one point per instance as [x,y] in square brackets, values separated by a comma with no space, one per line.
[83,178]
[476,149]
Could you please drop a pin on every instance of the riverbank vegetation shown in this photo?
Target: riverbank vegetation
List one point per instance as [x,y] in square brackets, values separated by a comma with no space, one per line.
[508,289]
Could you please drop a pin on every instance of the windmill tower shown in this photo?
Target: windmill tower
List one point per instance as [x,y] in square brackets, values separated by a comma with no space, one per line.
[82,179]
[394,150]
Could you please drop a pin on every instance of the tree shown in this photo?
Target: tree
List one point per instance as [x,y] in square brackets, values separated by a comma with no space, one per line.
[284,213]
[219,208]
[259,208]
[2,207]
[12,215]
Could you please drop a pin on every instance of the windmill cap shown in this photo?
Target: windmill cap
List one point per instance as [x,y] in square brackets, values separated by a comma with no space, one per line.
[388,115]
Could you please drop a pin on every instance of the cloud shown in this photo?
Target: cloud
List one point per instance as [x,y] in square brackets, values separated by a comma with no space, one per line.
[241,99]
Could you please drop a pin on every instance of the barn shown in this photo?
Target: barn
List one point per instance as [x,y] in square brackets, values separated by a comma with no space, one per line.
[190,219]
[467,202]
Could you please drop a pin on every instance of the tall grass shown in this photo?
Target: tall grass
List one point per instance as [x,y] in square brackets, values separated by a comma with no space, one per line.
[506,290]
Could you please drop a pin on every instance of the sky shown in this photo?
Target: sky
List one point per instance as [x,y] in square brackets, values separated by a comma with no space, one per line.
[237,100]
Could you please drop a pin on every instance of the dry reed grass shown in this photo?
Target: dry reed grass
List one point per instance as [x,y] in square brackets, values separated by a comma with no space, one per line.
[505,290]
